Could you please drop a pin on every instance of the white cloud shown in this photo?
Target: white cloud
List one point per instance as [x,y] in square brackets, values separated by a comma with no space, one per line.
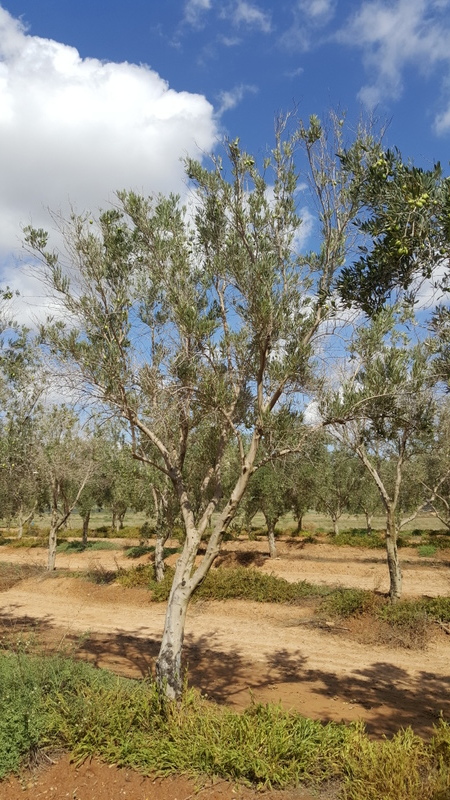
[309,16]
[194,11]
[232,98]
[244,13]
[318,10]
[78,129]
[395,35]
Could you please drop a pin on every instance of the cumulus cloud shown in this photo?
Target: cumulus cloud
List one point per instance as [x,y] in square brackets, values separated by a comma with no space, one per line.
[78,129]
[396,35]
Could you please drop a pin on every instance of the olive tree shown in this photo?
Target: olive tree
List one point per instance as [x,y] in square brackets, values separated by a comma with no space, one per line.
[384,411]
[180,319]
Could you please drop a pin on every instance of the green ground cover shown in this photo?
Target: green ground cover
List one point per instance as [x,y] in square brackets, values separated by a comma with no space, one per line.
[55,702]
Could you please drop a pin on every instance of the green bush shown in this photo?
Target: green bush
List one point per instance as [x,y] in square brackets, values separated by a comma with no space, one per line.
[358,538]
[348,602]
[427,550]
[226,583]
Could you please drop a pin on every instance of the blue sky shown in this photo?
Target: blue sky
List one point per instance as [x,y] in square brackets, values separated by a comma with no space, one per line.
[96,96]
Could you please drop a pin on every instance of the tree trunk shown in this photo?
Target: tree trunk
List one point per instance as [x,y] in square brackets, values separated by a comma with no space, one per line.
[299,527]
[161,538]
[395,572]
[20,520]
[86,520]
[335,525]
[24,520]
[187,577]
[271,538]
[52,540]
[368,521]
[168,666]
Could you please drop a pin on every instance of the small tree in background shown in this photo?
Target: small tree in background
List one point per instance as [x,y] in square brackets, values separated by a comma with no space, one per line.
[66,463]
[337,483]
[385,413]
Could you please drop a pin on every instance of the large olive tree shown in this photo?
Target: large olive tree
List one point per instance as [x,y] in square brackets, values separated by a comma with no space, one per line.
[181,320]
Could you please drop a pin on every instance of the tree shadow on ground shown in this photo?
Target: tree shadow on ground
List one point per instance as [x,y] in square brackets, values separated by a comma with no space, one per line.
[393,697]
[386,696]
[241,559]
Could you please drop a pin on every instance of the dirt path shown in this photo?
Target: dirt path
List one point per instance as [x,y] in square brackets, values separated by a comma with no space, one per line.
[236,649]
[317,563]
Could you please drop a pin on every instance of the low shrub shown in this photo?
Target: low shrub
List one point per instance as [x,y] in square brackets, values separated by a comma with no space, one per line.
[358,538]
[408,621]
[427,550]
[226,583]
[348,602]
[138,551]
[75,546]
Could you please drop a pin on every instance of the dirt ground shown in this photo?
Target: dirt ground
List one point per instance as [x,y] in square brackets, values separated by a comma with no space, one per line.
[235,650]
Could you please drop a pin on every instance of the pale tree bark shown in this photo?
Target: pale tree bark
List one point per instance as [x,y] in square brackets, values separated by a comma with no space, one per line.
[53,539]
[334,519]
[390,504]
[161,538]
[395,572]
[24,520]
[270,524]
[86,520]
[168,666]
[164,524]
[369,518]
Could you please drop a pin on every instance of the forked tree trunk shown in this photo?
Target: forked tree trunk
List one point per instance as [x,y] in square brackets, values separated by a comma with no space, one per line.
[395,572]
[168,666]
[24,520]
[187,577]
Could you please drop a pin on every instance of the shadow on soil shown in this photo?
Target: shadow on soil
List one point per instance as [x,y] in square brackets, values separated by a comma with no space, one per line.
[385,696]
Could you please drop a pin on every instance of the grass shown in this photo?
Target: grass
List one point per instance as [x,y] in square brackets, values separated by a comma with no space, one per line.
[60,703]
[76,546]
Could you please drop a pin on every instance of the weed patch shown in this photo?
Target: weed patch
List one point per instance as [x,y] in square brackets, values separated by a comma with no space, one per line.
[57,702]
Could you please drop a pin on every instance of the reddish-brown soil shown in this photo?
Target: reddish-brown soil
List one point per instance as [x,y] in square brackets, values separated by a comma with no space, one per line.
[235,650]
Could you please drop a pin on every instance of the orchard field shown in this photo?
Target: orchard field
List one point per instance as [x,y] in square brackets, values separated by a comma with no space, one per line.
[329,655]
